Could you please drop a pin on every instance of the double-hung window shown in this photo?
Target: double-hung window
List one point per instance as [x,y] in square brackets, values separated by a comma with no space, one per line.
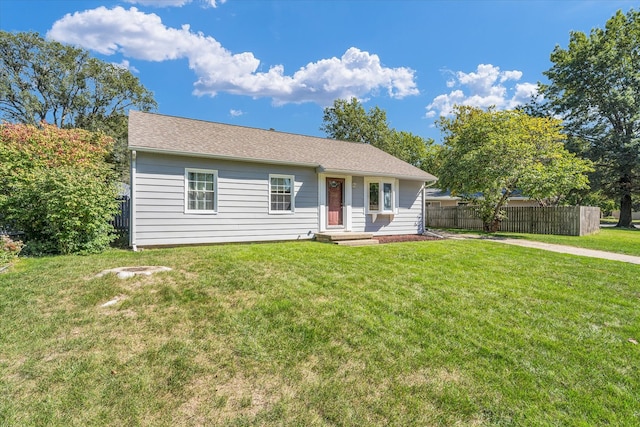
[381,195]
[281,193]
[201,190]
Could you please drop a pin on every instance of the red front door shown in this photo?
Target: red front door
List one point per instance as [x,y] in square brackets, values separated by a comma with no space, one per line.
[335,197]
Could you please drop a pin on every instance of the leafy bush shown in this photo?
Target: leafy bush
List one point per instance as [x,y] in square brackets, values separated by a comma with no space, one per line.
[9,249]
[57,188]
[64,210]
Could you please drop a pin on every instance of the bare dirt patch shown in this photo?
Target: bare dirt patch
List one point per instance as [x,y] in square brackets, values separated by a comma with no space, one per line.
[126,272]
[220,400]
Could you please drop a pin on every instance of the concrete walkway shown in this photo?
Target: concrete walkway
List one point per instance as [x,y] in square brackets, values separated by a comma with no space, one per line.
[570,250]
[564,249]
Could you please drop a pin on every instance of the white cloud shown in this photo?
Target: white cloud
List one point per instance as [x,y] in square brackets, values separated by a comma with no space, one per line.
[511,75]
[445,103]
[483,88]
[524,92]
[236,113]
[174,3]
[143,36]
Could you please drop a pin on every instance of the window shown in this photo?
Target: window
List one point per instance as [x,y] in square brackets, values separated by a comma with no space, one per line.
[381,195]
[200,191]
[281,193]
[374,196]
[387,192]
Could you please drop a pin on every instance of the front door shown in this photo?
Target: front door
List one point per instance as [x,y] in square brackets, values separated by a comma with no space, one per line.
[335,201]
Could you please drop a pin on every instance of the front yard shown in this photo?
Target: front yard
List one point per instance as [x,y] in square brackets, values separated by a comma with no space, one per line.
[619,240]
[302,333]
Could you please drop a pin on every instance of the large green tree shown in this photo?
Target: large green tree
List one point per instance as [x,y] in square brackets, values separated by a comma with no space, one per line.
[489,155]
[46,81]
[349,121]
[594,85]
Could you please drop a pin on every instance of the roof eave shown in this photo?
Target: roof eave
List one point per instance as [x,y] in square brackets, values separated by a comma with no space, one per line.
[221,157]
[376,173]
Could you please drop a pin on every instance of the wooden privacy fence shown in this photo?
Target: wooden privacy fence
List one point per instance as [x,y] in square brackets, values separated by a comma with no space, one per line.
[121,221]
[569,220]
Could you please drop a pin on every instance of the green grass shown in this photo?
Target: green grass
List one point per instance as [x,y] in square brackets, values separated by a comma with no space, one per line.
[309,334]
[619,240]
[613,221]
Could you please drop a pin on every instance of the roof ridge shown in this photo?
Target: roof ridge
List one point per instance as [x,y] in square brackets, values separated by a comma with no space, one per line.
[249,127]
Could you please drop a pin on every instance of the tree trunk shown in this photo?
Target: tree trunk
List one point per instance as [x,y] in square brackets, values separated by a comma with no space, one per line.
[493,226]
[625,212]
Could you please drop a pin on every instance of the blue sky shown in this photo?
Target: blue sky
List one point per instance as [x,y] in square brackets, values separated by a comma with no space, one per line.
[278,64]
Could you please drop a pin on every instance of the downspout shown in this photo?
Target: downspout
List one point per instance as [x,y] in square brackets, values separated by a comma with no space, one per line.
[132,211]
[424,206]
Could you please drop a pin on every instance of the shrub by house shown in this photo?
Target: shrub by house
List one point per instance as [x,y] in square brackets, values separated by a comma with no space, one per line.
[56,187]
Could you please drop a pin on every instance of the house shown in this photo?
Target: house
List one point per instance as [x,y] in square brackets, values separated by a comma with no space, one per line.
[196,182]
[437,198]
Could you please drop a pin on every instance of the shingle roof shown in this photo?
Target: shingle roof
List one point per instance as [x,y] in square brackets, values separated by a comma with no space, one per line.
[160,133]
[437,193]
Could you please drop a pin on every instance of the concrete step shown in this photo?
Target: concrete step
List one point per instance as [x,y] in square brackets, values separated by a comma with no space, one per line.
[359,242]
[329,237]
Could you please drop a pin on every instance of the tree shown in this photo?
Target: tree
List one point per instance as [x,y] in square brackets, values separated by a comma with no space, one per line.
[348,121]
[491,154]
[57,188]
[595,87]
[413,149]
[46,81]
[591,196]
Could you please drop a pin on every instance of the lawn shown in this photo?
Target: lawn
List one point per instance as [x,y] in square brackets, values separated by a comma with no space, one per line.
[613,221]
[310,334]
[620,240]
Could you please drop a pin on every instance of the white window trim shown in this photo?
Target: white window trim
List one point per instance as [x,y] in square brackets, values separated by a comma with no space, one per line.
[293,194]
[395,196]
[186,192]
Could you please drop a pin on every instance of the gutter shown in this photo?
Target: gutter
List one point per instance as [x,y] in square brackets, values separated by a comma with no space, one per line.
[221,157]
[373,173]
[132,207]
[424,207]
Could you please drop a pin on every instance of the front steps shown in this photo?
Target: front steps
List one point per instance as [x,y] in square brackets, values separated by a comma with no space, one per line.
[347,238]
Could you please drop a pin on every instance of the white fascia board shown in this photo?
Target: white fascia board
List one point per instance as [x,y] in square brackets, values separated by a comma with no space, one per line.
[374,174]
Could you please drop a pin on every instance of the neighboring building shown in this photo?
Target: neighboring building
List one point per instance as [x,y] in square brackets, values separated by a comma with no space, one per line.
[196,182]
[437,198]
[635,215]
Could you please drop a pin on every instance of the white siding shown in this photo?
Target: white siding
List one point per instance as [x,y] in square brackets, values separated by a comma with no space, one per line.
[408,220]
[243,203]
